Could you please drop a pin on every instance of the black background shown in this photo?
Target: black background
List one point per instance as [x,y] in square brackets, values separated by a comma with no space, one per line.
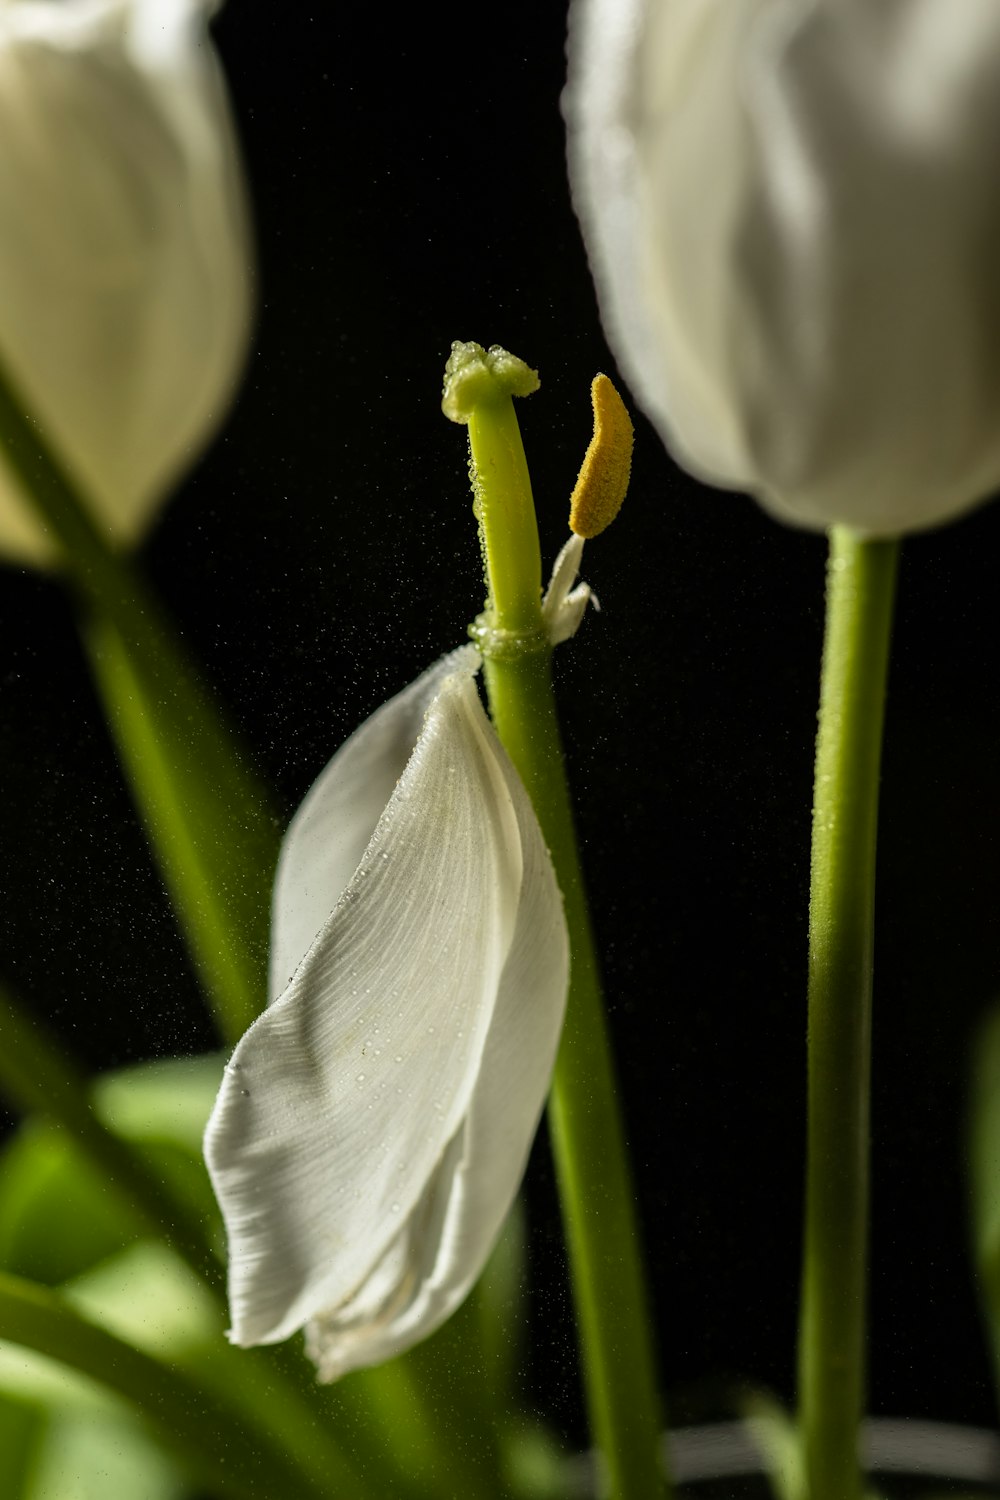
[409,188]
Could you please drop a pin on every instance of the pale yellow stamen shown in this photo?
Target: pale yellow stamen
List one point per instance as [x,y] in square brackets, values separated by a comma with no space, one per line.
[603,478]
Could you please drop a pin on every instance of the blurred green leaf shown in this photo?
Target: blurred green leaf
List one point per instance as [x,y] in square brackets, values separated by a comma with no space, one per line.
[168,1100]
[776,1437]
[40,1078]
[983,1142]
[535,1466]
[101,1458]
[501,1307]
[147,1296]
[162,1107]
[57,1216]
[22,1433]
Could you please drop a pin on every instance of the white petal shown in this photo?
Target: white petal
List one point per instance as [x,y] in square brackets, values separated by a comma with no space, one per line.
[564,606]
[125,260]
[457,1222]
[343,1099]
[334,824]
[790,207]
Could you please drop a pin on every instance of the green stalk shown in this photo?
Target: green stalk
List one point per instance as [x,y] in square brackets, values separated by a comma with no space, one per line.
[588,1143]
[36,1076]
[206,815]
[860,592]
[506,512]
[223,1452]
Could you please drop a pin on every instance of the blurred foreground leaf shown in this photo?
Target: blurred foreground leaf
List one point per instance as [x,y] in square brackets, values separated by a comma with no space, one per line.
[776,1438]
[983,1140]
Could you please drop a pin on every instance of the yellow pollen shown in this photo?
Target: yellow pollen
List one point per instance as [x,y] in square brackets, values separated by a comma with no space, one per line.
[603,479]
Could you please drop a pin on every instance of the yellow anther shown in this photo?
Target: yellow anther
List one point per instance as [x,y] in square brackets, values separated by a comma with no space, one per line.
[603,479]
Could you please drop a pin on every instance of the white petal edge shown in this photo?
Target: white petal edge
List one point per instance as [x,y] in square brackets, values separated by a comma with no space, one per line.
[334,824]
[345,1098]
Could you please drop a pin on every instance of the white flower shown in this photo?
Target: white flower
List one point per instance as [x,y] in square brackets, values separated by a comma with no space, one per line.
[792,213]
[125,262]
[373,1125]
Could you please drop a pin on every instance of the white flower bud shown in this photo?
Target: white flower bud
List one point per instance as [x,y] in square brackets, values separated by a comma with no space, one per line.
[793,216]
[125,263]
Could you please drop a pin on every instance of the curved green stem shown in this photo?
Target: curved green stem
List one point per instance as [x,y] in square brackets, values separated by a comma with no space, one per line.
[207,817]
[860,592]
[220,1449]
[588,1143]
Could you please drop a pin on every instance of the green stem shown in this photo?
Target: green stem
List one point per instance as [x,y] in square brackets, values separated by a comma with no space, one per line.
[588,1143]
[506,513]
[207,817]
[860,592]
[224,1452]
[36,1076]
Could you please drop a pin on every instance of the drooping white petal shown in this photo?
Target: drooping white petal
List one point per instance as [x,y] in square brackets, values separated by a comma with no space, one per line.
[791,214]
[125,260]
[334,824]
[347,1121]
[463,1208]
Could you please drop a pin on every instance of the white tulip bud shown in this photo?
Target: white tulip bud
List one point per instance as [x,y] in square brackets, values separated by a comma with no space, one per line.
[792,209]
[125,263]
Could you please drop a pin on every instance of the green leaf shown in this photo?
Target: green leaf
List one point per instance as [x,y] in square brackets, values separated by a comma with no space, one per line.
[23,1427]
[983,1143]
[63,1438]
[148,1297]
[209,1434]
[37,1075]
[535,1465]
[775,1434]
[168,1100]
[162,1108]
[57,1216]
[100,1457]
[502,1311]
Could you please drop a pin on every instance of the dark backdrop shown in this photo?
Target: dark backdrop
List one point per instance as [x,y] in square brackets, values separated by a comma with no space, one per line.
[409,189]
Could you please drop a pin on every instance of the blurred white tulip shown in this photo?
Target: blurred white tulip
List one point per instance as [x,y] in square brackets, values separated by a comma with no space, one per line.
[793,218]
[125,258]
[373,1125]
